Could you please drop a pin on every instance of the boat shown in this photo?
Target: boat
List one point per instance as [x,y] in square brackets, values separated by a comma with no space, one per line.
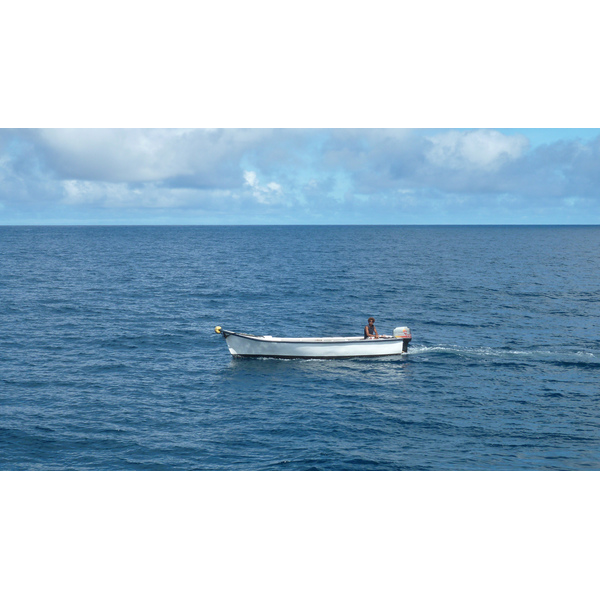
[245,345]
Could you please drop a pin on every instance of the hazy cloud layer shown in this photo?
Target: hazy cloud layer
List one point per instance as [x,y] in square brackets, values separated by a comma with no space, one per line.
[302,175]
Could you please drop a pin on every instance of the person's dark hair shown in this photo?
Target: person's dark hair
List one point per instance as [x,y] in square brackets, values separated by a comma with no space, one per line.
[370,319]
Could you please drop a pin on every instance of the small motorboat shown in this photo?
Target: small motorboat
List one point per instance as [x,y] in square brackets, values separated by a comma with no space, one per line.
[245,345]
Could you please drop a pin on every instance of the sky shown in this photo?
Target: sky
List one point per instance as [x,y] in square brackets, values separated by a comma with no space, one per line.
[101,175]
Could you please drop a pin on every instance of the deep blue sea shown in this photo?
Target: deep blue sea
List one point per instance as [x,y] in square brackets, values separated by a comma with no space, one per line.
[108,359]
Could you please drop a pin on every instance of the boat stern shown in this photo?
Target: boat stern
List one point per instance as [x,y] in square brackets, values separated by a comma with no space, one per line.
[404,334]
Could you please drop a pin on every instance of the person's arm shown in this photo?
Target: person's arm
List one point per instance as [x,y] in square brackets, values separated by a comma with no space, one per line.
[375,331]
[367,335]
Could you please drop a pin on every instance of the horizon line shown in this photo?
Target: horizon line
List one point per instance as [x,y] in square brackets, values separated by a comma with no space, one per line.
[300,225]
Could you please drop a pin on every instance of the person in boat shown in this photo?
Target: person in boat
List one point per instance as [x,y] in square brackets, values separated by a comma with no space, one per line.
[370,329]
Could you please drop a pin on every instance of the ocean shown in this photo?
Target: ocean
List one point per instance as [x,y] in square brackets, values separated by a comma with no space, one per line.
[109,360]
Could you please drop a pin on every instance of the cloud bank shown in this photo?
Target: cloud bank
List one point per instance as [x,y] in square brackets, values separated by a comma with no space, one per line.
[296,176]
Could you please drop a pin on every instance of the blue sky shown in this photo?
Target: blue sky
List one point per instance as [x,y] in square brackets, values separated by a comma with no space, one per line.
[299,175]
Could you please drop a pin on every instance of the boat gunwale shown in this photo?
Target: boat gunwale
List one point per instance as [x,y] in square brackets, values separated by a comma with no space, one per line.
[324,340]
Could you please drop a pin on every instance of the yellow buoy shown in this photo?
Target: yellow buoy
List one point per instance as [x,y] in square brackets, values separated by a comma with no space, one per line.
[218,329]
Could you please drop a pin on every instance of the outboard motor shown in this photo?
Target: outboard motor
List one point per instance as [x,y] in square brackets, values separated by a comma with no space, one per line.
[404,333]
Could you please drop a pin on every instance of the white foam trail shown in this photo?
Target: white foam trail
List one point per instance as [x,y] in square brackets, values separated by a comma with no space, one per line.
[499,352]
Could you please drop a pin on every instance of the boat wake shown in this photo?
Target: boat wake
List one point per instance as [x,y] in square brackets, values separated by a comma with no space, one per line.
[488,352]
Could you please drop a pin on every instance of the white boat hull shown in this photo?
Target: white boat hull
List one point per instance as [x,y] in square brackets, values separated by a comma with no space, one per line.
[245,345]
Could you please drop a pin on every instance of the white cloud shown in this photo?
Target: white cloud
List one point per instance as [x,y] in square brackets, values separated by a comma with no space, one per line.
[267,194]
[482,149]
[251,178]
[92,192]
[147,196]
[204,157]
